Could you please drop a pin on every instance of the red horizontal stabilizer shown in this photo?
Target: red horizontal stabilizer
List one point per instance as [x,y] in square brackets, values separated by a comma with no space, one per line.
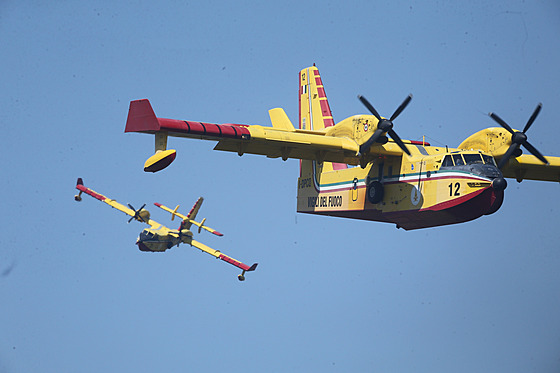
[141,117]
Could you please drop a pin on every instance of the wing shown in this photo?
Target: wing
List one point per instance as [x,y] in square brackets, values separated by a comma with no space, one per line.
[529,167]
[355,140]
[279,141]
[225,258]
[188,220]
[144,218]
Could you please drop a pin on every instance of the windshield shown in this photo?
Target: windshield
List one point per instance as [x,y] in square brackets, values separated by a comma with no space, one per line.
[488,159]
[447,162]
[458,160]
[467,159]
[473,159]
[146,235]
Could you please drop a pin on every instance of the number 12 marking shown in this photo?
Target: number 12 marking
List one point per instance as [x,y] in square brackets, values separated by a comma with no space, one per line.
[457,186]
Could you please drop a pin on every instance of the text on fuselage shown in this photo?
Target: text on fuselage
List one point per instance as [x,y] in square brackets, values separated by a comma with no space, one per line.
[324,201]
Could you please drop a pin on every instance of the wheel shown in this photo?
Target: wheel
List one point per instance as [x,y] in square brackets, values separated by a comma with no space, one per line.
[241,277]
[375,192]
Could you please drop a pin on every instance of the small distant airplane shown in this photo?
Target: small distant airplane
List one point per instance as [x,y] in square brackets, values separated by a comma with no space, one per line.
[408,183]
[159,238]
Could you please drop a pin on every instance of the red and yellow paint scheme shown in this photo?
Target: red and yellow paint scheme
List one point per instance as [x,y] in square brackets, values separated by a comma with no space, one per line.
[360,168]
[159,238]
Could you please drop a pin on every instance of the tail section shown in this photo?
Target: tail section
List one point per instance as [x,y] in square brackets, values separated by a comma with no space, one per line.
[280,120]
[314,115]
[314,110]
[192,214]
[188,220]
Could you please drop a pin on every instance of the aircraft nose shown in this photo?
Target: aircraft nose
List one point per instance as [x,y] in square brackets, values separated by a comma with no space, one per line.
[142,246]
[499,183]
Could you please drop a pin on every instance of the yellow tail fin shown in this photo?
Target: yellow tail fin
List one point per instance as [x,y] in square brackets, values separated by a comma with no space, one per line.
[314,111]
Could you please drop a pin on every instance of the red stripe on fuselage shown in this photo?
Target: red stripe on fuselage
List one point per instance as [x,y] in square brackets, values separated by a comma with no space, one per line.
[425,178]
[440,206]
[455,201]
[349,185]
[479,204]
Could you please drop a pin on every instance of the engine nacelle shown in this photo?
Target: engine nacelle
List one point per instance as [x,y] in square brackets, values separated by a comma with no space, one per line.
[493,140]
[186,236]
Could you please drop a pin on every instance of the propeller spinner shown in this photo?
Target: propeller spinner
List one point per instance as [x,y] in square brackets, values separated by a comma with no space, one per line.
[384,125]
[519,138]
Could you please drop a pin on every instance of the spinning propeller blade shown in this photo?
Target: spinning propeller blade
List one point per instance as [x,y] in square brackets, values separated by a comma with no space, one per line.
[384,125]
[136,213]
[519,138]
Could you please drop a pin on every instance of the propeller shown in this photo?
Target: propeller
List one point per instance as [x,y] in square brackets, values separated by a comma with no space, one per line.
[519,138]
[137,213]
[180,233]
[384,125]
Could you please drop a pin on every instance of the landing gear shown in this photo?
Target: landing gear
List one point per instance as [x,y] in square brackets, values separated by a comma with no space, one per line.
[241,277]
[375,192]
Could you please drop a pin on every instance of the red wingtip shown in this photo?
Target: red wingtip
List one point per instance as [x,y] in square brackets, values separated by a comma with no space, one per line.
[141,117]
[157,204]
[218,233]
[237,263]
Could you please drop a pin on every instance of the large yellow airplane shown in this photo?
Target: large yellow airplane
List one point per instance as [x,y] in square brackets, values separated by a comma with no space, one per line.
[159,238]
[360,168]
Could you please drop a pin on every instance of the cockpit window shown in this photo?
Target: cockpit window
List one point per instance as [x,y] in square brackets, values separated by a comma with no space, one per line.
[458,160]
[462,159]
[146,235]
[473,158]
[488,159]
[447,161]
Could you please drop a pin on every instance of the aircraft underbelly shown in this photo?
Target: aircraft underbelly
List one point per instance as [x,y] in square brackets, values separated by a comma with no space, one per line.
[410,205]
[154,246]
[468,209]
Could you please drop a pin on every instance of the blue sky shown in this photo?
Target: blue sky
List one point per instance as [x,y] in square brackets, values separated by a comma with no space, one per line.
[330,295]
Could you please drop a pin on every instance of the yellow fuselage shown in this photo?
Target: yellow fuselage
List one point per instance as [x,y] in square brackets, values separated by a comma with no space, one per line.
[159,239]
[418,191]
